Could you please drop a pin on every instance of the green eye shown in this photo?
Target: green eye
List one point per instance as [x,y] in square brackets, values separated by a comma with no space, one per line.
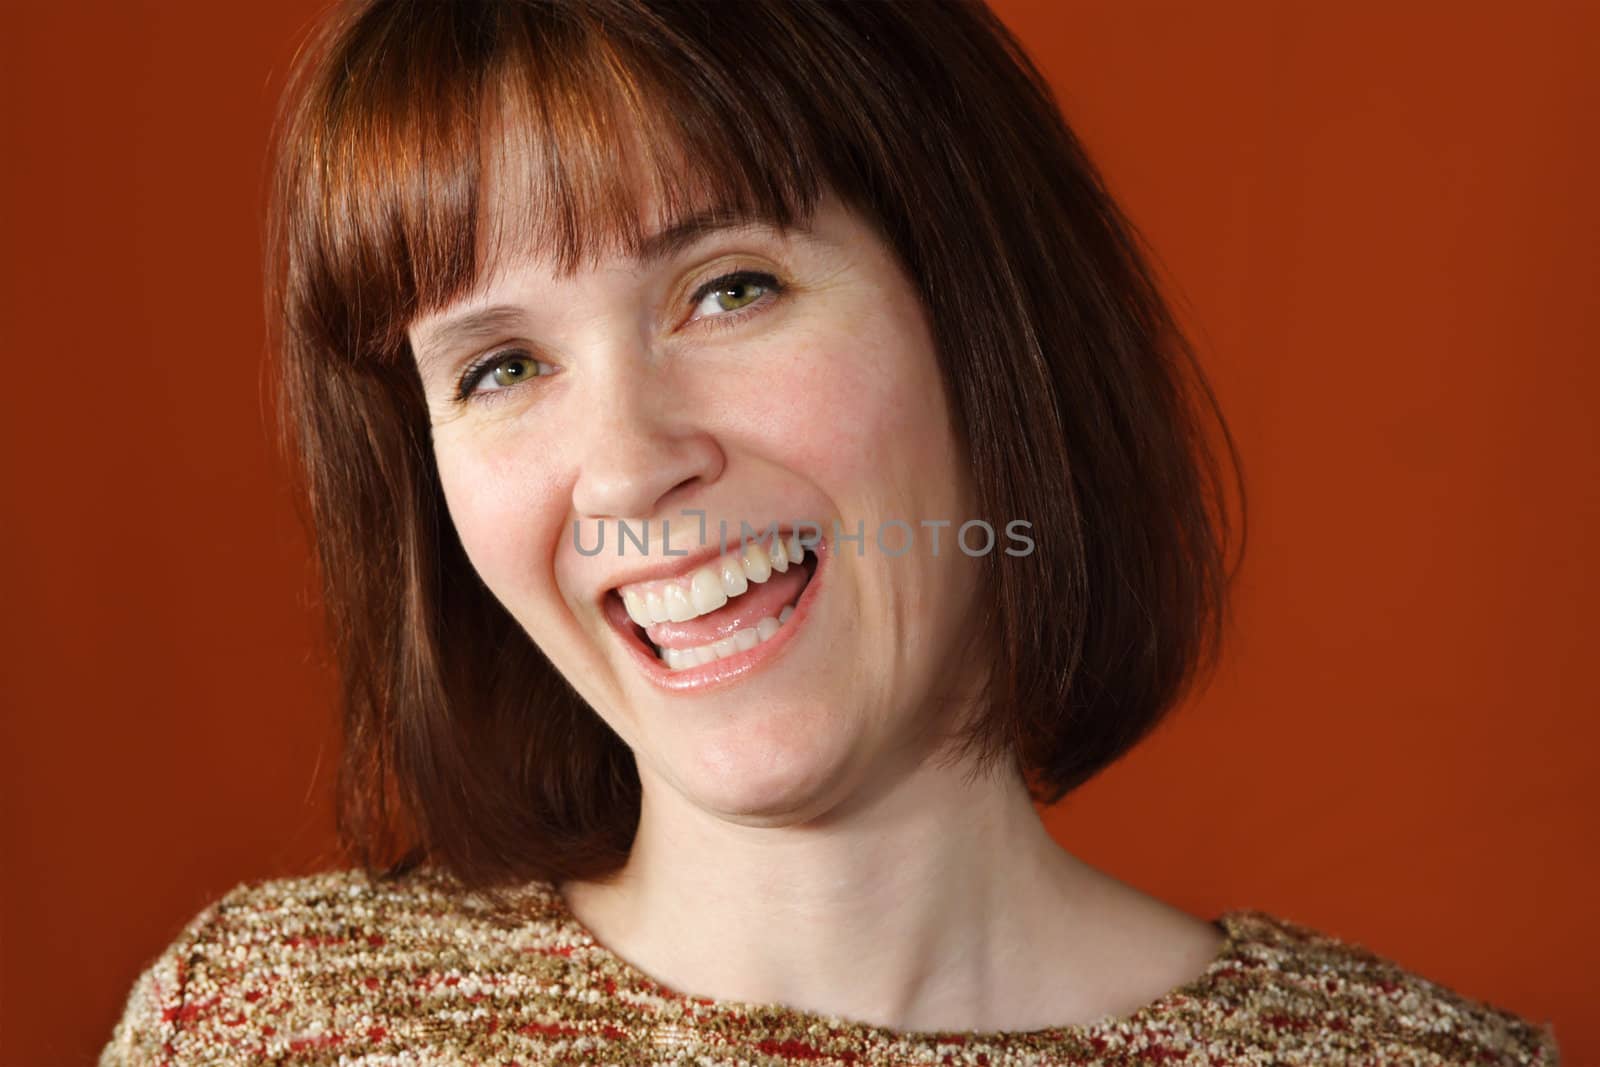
[733,291]
[514,369]
[721,298]
[498,373]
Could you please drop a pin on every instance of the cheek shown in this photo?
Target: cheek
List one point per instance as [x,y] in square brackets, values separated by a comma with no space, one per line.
[851,406]
[500,503]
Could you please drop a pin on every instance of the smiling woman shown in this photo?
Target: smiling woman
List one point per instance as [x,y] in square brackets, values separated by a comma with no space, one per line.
[804,304]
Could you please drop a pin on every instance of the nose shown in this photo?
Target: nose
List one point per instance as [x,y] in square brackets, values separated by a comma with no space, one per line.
[643,450]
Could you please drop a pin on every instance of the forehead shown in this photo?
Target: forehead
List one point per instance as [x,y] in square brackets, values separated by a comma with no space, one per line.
[828,229]
[624,199]
[477,313]
[614,183]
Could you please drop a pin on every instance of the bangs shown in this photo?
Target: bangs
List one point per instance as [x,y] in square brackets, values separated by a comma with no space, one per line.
[446,138]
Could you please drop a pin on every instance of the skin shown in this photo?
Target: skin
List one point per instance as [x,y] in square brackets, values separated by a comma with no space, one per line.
[798,842]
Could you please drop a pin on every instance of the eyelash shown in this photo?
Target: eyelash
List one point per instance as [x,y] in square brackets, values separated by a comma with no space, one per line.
[467,387]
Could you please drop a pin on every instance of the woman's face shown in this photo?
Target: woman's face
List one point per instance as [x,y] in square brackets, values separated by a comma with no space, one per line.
[801,390]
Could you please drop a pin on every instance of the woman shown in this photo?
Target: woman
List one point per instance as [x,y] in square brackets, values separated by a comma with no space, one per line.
[750,466]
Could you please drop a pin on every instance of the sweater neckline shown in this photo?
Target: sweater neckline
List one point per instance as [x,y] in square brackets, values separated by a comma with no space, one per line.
[783,1023]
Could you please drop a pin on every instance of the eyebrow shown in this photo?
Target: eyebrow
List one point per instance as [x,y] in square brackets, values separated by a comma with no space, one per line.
[469,326]
[466,328]
[684,232]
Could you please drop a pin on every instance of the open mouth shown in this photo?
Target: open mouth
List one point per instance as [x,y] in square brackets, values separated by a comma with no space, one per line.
[725,608]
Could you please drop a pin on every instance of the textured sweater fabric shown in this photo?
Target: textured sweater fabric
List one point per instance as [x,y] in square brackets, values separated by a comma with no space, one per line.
[339,969]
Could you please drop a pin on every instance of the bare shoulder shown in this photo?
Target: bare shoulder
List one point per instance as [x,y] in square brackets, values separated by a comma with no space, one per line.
[1140,949]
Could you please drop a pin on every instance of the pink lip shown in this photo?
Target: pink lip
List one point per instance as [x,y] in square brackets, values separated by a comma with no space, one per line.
[723,671]
[681,566]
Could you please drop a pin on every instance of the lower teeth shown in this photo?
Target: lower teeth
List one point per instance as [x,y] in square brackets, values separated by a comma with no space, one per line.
[681,659]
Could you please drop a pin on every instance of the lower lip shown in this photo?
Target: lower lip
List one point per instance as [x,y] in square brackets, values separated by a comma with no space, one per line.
[723,672]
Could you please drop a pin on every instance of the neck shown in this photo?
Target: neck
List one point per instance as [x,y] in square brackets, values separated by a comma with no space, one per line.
[941,904]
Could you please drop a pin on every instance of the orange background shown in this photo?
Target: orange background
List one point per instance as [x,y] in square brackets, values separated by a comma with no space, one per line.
[1380,222]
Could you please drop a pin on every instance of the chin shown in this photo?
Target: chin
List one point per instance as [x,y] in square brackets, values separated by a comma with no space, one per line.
[768,768]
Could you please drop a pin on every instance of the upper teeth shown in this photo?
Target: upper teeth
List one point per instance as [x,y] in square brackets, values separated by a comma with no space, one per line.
[709,588]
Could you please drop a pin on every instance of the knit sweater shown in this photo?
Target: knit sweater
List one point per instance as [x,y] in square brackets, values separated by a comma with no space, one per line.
[338,969]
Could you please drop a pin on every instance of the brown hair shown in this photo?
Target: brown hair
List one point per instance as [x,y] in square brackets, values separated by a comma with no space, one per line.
[1075,395]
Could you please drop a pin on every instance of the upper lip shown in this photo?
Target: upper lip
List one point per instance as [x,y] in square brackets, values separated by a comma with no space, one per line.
[677,566]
